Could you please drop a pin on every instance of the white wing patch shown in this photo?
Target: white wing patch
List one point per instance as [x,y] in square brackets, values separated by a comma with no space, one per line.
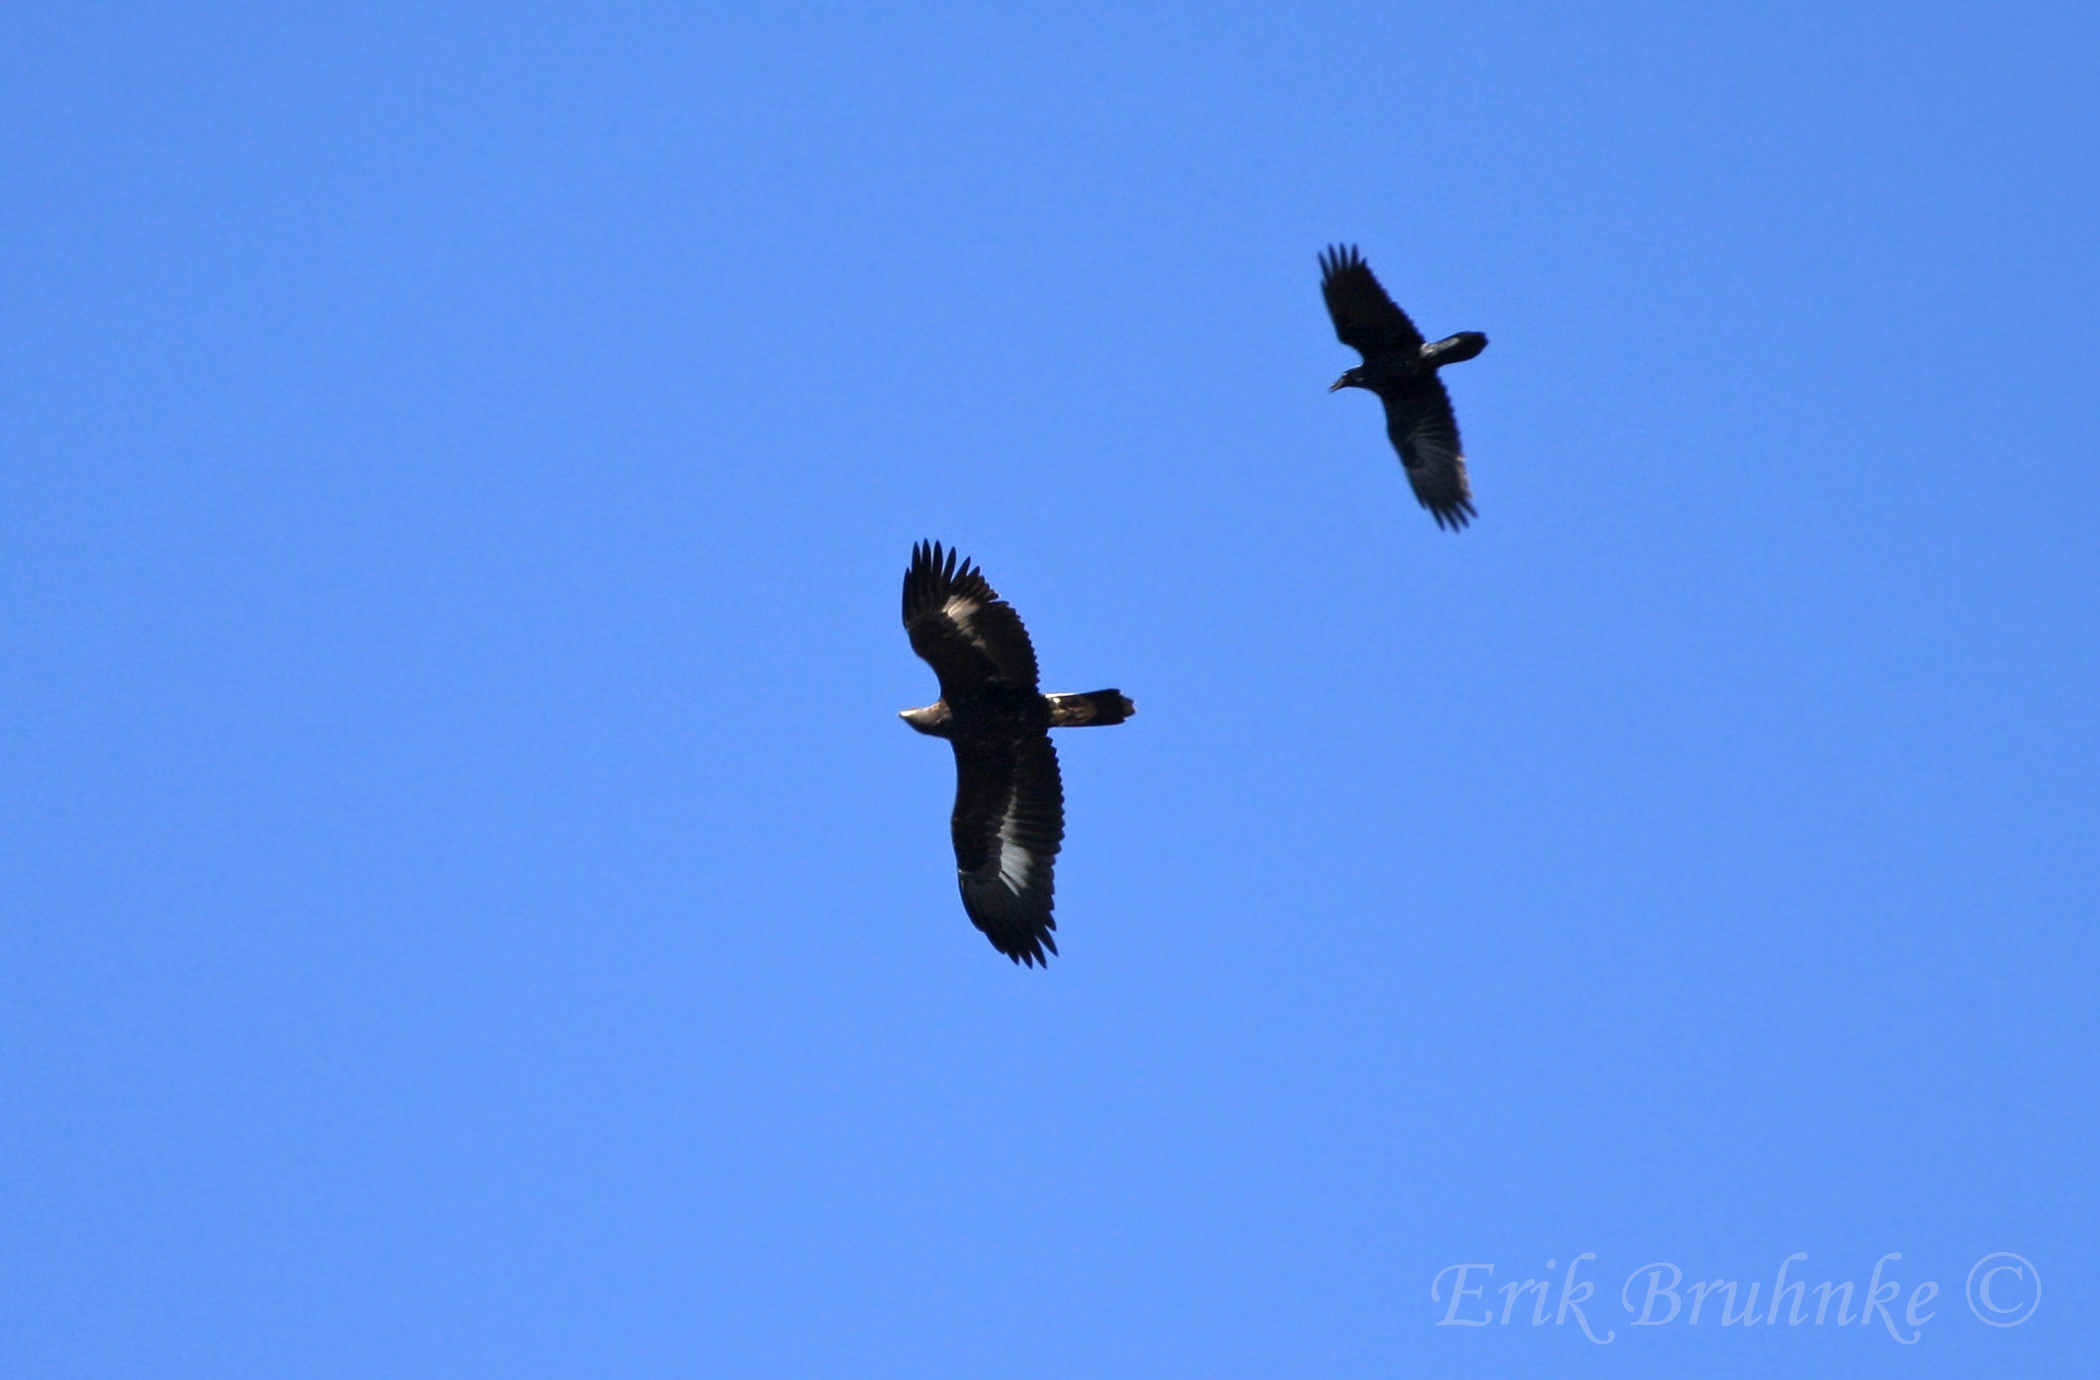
[959,609]
[1016,863]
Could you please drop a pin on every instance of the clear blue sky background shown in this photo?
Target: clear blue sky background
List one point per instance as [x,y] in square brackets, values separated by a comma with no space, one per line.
[469,908]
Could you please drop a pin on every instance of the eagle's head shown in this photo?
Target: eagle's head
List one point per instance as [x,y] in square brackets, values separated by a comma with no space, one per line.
[1353,379]
[929,720]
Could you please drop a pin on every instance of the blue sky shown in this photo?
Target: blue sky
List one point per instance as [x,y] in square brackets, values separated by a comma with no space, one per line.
[470,910]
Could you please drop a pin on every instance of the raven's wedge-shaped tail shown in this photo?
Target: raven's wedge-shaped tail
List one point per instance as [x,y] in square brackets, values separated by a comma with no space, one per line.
[1097,707]
[1454,349]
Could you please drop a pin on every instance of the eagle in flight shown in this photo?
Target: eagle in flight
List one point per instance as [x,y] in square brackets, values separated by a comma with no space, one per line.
[1009,804]
[1402,370]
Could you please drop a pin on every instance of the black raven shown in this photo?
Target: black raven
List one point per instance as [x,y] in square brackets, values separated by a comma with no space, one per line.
[1402,371]
[1009,804]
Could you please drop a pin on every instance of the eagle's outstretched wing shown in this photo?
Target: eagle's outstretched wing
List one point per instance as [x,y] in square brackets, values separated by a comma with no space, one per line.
[1009,821]
[1420,424]
[967,633]
[1364,317]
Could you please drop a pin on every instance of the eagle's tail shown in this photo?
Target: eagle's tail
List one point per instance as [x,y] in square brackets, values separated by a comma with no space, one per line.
[1099,707]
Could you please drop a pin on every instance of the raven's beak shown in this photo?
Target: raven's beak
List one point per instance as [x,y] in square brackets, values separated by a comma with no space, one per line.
[1339,384]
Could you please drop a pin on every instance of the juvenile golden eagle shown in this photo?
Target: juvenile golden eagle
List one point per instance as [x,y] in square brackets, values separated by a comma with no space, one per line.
[1009,803]
[1402,371]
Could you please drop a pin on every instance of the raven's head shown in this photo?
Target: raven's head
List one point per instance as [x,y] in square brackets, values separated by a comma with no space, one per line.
[1353,379]
[929,720]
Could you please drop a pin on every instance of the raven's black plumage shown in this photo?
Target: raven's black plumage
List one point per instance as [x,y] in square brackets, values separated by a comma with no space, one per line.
[1402,370]
[1009,817]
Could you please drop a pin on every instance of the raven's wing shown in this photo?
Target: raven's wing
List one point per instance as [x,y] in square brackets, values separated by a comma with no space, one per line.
[1009,820]
[1419,421]
[1364,317]
[965,632]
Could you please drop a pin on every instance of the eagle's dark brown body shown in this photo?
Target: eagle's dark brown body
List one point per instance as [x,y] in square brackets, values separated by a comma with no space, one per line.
[1009,818]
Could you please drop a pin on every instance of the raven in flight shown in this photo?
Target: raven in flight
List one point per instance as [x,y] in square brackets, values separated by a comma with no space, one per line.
[1402,371]
[1009,804]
